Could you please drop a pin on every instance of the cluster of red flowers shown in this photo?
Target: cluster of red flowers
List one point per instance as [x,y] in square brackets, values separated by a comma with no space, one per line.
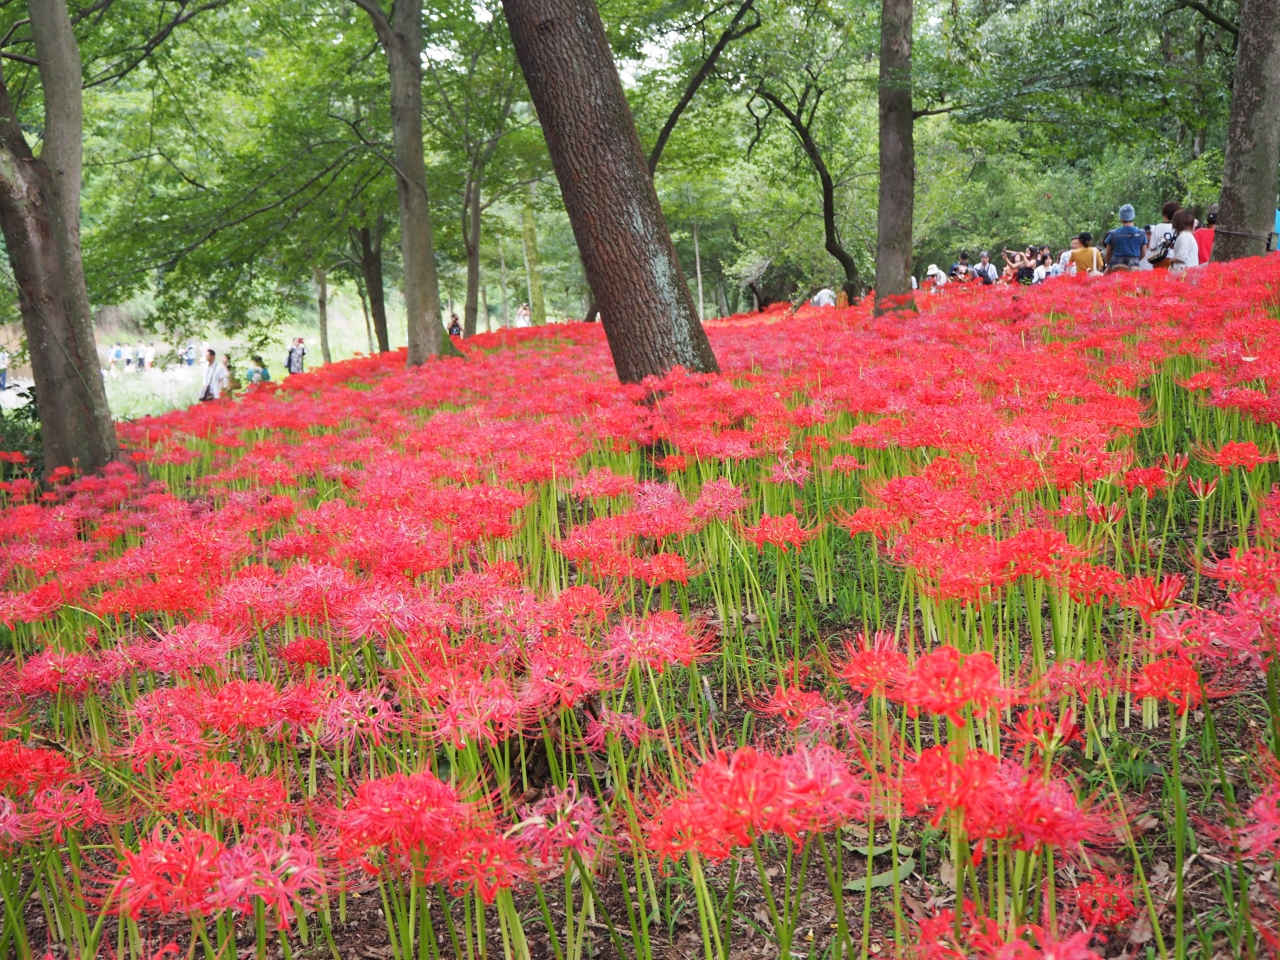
[336,630]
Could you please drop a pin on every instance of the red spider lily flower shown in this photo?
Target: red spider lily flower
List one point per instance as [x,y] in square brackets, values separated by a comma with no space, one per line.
[306,650]
[403,815]
[1234,453]
[73,805]
[1045,731]
[173,872]
[874,667]
[562,671]
[945,682]
[1046,814]
[241,705]
[791,704]
[561,823]
[846,463]
[657,641]
[189,648]
[23,768]
[15,829]
[484,863]
[1079,678]
[213,788]
[623,726]
[1151,597]
[1150,479]
[1200,488]
[603,483]
[280,870]
[671,463]
[484,712]
[664,568]
[1091,584]
[1172,679]
[719,500]
[1104,901]
[783,532]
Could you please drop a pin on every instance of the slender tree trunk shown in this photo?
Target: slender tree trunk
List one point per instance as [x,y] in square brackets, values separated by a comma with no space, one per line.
[484,308]
[401,40]
[697,269]
[1249,173]
[40,219]
[804,134]
[471,243]
[322,313]
[723,300]
[502,267]
[613,207]
[371,268]
[364,309]
[532,267]
[897,154]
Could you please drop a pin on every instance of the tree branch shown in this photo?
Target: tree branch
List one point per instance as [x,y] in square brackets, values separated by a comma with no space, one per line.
[730,33]
[381,25]
[1210,15]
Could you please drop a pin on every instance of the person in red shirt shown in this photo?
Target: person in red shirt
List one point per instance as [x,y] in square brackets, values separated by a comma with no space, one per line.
[1204,236]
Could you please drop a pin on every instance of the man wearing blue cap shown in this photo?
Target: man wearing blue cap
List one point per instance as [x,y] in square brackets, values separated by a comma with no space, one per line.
[1126,245]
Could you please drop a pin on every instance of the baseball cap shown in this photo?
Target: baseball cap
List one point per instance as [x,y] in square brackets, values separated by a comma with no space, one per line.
[1127,212]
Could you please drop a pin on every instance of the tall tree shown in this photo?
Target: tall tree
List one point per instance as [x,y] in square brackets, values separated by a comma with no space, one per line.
[532,264]
[1249,173]
[401,39]
[897,153]
[366,242]
[40,218]
[626,250]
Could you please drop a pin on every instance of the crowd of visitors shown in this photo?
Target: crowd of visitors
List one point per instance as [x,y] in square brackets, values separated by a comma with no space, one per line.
[1178,243]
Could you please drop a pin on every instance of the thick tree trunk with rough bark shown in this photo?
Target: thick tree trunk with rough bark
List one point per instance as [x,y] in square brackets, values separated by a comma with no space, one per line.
[1249,173]
[626,251]
[401,39]
[370,249]
[322,313]
[40,219]
[897,154]
[532,265]
[471,244]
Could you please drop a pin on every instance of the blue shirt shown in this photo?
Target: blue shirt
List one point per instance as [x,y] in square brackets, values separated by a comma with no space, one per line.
[1126,241]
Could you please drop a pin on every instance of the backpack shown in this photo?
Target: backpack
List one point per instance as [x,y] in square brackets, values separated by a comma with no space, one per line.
[1162,253]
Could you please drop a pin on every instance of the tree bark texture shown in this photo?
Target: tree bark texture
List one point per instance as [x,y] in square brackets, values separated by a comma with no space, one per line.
[502,269]
[1249,174]
[627,254]
[40,219]
[897,154]
[532,266]
[371,270]
[804,133]
[471,244]
[364,310]
[322,313]
[401,40]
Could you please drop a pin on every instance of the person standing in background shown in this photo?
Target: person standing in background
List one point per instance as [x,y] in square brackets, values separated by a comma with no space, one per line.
[1087,258]
[4,369]
[150,355]
[1204,236]
[140,357]
[215,377]
[1126,245]
[523,316]
[1162,234]
[294,362]
[1185,253]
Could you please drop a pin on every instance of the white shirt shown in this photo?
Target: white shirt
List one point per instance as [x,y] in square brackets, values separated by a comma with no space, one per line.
[1040,273]
[824,298]
[215,379]
[1185,253]
[1158,233]
[522,317]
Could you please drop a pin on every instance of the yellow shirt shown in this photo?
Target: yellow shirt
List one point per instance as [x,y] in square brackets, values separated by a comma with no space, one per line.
[1086,259]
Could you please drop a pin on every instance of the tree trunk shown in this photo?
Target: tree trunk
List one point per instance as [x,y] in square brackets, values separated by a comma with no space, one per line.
[401,40]
[697,269]
[471,243]
[322,313]
[626,251]
[897,154]
[1249,172]
[502,267]
[484,308]
[364,309]
[40,219]
[371,268]
[532,268]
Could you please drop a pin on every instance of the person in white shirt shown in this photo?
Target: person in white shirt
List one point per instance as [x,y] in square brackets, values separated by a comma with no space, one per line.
[4,369]
[215,377]
[824,298]
[523,318]
[150,355]
[1185,254]
[985,270]
[1160,232]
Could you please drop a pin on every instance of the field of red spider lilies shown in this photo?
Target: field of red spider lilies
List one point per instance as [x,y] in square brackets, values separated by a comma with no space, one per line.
[941,635]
